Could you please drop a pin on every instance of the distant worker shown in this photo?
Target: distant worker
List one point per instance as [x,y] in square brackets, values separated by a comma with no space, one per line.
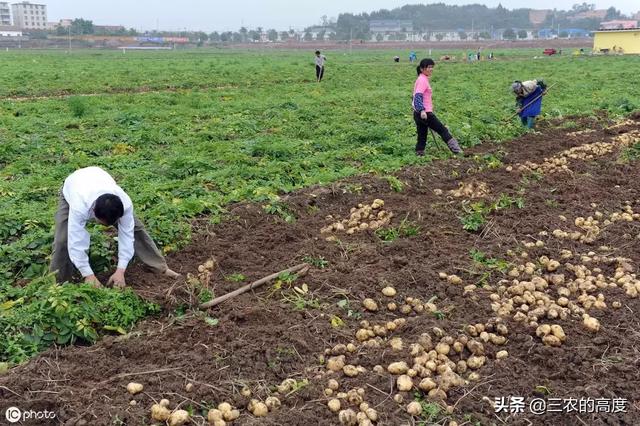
[91,194]
[478,54]
[320,60]
[423,114]
[413,57]
[396,59]
[529,100]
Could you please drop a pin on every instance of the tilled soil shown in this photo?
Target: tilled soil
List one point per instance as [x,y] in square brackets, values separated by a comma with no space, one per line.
[277,332]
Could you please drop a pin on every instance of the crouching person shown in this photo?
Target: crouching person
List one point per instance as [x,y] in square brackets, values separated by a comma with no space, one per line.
[529,100]
[92,194]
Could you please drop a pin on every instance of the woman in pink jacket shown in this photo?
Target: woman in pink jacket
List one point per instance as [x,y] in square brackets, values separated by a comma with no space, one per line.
[423,111]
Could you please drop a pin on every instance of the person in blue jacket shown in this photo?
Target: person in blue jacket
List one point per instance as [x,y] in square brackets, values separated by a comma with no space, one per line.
[529,100]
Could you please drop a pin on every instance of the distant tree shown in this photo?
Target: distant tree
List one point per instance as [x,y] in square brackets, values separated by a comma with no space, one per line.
[132,32]
[439,36]
[509,34]
[379,37]
[324,20]
[320,35]
[522,34]
[214,37]
[333,35]
[584,7]
[201,36]
[401,36]
[284,36]
[238,37]
[254,35]
[462,35]
[60,30]
[485,35]
[308,36]
[272,35]
[612,13]
[81,26]
[226,36]
[243,34]
[563,34]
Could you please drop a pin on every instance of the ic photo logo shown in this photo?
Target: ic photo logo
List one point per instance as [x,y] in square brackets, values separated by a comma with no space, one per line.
[13,414]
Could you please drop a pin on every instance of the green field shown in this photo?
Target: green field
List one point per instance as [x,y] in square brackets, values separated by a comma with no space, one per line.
[187,133]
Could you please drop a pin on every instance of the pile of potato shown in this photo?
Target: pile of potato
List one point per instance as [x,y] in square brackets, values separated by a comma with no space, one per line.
[364,217]
[470,190]
[204,273]
[161,412]
[225,413]
[560,162]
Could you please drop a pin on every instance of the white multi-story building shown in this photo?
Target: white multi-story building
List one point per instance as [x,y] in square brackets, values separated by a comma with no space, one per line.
[29,15]
[5,14]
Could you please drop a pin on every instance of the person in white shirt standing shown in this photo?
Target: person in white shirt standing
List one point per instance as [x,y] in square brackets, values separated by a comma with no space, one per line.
[320,59]
[92,194]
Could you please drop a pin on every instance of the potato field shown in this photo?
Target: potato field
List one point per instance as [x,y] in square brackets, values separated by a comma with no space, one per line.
[497,288]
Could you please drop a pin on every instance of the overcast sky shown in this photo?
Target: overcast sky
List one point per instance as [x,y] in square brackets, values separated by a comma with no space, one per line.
[279,14]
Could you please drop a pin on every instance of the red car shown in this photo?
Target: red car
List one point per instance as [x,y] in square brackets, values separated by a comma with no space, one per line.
[549,52]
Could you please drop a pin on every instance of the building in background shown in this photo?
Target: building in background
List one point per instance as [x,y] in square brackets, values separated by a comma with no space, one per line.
[29,16]
[618,25]
[617,41]
[5,14]
[9,31]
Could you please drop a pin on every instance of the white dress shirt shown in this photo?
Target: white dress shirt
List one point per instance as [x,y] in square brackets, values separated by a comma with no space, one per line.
[81,189]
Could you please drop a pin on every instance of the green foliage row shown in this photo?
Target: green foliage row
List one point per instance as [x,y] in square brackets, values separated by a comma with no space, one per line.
[43,313]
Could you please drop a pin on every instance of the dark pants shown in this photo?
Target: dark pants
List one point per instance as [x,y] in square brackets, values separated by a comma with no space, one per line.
[423,127]
[319,72]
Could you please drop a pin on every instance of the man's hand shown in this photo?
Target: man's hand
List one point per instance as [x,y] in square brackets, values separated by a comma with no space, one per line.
[423,115]
[91,279]
[117,279]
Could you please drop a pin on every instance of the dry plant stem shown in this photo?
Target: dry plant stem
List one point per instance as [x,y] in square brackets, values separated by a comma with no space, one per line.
[303,268]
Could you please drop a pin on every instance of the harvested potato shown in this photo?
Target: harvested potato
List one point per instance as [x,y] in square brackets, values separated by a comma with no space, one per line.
[333,384]
[231,415]
[389,291]
[404,383]
[179,418]
[396,343]
[350,370]
[400,367]
[474,362]
[272,403]
[414,408]
[557,331]
[502,355]
[214,415]
[165,403]
[260,409]
[335,363]
[160,413]
[334,405]
[427,384]
[348,417]
[454,279]
[246,392]
[591,323]
[551,340]
[134,388]
[224,407]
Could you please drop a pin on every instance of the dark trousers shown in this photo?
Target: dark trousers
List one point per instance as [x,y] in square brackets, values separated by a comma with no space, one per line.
[319,72]
[423,127]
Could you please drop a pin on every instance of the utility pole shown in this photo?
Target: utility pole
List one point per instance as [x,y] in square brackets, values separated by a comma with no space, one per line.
[350,42]
[69,38]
